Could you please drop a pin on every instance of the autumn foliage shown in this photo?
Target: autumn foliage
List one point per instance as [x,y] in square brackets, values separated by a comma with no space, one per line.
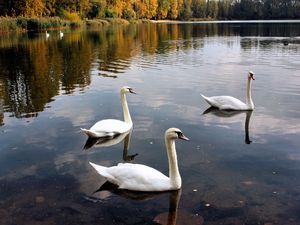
[153,9]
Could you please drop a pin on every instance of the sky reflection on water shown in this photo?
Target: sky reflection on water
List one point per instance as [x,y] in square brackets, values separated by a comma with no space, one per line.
[45,176]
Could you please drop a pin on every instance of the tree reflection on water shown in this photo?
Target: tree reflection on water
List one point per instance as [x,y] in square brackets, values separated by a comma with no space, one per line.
[34,70]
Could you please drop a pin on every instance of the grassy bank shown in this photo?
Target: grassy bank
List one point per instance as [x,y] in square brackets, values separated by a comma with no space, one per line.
[23,24]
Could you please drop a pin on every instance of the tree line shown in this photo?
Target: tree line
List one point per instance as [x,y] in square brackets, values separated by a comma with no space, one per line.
[154,9]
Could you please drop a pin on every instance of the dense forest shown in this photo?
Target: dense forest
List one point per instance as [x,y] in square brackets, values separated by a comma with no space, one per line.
[153,9]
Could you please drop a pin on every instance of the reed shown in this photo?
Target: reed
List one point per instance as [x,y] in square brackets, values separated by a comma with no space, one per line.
[96,23]
[9,24]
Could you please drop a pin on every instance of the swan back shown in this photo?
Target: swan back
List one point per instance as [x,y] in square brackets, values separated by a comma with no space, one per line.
[138,177]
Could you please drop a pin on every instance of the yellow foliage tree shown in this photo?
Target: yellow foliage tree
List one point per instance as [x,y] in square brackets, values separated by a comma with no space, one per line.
[34,8]
[152,9]
[174,10]
[140,8]
[119,7]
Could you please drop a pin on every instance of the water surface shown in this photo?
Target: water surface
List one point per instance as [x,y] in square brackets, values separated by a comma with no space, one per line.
[238,168]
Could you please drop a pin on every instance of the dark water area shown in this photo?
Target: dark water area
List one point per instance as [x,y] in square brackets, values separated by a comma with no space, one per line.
[238,167]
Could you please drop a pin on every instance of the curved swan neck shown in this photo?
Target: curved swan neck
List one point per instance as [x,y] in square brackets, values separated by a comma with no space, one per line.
[249,101]
[127,117]
[173,166]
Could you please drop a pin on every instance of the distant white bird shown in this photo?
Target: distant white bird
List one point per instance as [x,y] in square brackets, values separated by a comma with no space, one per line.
[231,103]
[111,127]
[138,177]
[47,35]
[61,34]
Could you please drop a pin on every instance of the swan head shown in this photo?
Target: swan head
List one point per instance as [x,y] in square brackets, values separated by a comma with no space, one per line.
[251,75]
[175,133]
[127,89]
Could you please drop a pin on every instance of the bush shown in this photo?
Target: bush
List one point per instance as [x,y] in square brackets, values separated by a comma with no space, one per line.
[129,14]
[110,13]
[76,24]
[22,22]
[95,23]
[117,21]
[7,24]
[38,24]
[74,17]
[97,10]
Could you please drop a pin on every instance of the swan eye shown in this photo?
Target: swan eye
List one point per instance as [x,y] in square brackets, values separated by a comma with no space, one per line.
[130,90]
[251,75]
[181,135]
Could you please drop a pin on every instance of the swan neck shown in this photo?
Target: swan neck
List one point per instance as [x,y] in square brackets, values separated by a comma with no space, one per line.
[249,101]
[173,165]
[126,114]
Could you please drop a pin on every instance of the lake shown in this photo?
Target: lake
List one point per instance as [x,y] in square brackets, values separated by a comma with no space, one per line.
[238,167]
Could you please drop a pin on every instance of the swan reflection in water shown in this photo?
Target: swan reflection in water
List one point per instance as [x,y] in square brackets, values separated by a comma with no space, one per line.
[108,141]
[228,114]
[173,216]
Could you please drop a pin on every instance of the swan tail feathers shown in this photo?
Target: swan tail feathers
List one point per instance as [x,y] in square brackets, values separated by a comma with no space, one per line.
[102,170]
[89,133]
[207,99]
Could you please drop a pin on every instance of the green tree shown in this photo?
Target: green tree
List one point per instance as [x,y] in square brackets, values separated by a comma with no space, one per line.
[97,9]
[224,9]
[199,8]
[212,9]
[186,11]
[163,9]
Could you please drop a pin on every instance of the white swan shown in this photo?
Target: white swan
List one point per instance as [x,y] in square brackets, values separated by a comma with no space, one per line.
[231,103]
[47,35]
[137,177]
[111,127]
[61,34]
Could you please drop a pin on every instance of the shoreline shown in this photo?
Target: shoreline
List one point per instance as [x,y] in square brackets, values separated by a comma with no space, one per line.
[22,24]
[223,21]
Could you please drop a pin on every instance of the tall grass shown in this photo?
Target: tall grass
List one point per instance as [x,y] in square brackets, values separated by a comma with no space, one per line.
[96,23]
[69,20]
[8,24]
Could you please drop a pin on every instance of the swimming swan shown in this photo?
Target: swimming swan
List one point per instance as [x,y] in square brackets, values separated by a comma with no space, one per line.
[231,103]
[138,177]
[47,35]
[111,127]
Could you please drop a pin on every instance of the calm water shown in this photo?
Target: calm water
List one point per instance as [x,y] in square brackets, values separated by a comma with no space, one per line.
[237,169]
